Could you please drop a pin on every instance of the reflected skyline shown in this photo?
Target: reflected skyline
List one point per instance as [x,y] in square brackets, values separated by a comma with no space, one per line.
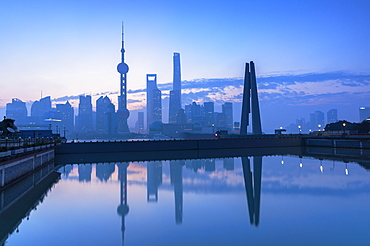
[202,191]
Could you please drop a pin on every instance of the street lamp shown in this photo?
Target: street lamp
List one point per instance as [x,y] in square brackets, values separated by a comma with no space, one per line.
[319,125]
[299,129]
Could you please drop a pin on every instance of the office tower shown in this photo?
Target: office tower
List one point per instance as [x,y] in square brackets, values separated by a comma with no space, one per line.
[105,116]
[66,115]
[175,94]
[209,112]
[332,116]
[250,102]
[153,100]
[140,122]
[17,111]
[221,121]
[364,113]
[317,121]
[181,117]
[84,122]
[39,109]
[122,112]
[227,109]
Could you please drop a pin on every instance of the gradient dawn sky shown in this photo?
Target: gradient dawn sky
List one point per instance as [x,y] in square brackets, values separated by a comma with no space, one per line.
[67,48]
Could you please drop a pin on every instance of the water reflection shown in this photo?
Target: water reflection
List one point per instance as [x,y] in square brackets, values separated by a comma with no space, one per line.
[20,199]
[207,193]
[253,187]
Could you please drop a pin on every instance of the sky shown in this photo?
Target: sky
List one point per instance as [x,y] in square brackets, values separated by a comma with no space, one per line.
[67,48]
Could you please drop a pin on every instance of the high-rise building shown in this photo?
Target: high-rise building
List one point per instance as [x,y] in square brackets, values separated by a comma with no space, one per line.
[364,113]
[66,115]
[140,122]
[39,109]
[175,94]
[84,120]
[153,100]
[227,109]
[332,116]
[209,112]
[122,112]
[317,121]
[17,111]
[105,116]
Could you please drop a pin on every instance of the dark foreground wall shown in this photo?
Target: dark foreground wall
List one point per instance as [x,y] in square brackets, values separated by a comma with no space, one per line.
[177,145]
[14,169]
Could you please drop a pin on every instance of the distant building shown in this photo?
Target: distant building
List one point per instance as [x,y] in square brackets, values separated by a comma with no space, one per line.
[317,121]
[227,110]
[209,112]
[66,115]
[140,122]
[17,110]
[106,122]
[175,94]
[39,109]
[84,120]
[153,100]
[364,113]
[332,116]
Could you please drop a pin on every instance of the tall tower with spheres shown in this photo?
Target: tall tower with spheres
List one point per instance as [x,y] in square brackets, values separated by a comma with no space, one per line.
[122,112]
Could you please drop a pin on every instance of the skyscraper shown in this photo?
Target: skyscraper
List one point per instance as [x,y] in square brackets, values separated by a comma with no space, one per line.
[209,112]
[364,113]
[122,112]
[105,116]
[332,116]
[227,109]
[317,121]
[17,110]
[66,115]
[153,100]
[140,122]
[84,120]
[175,94]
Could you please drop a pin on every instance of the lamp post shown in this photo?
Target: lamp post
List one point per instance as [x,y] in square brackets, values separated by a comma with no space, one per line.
[344,131]
[319,125]
[299,129]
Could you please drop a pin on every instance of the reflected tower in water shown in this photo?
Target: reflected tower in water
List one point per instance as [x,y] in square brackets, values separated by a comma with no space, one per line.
[253,187]
[176,180]
[123,208]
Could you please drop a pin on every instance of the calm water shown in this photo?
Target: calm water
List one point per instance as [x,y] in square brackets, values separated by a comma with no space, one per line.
[271,200]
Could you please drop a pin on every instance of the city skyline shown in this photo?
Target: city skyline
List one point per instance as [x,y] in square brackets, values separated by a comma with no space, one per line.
[71,49]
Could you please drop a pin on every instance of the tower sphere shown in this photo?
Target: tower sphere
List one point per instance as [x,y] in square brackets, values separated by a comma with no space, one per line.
[122,68]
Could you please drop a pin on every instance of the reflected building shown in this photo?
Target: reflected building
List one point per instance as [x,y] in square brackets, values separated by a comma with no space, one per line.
[176,181]
[154,180]
[209,165]
[253,187]
[104,171]
[228,164]
[84,172]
